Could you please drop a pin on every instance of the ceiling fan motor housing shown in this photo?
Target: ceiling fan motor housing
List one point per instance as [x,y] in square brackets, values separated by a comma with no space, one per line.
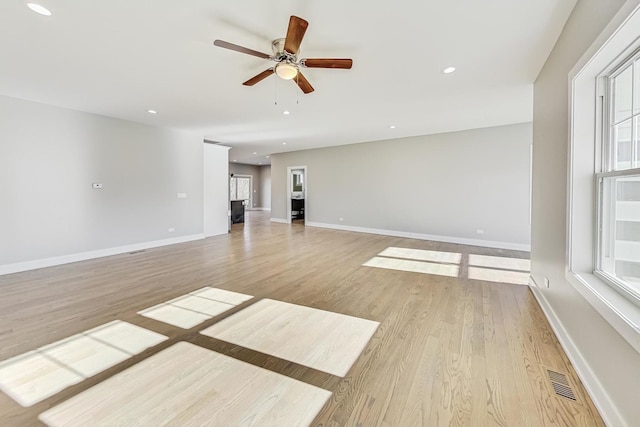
[279,54]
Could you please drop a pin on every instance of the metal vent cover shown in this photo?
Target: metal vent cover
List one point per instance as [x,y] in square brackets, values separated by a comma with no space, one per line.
[560,385]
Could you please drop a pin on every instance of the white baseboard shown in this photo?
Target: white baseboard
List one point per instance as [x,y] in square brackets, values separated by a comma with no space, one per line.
[66,259]
[598,395]
[446,239]
[262,209]
[280,220]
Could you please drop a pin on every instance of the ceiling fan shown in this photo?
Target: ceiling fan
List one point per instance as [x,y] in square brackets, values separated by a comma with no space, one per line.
[285,55]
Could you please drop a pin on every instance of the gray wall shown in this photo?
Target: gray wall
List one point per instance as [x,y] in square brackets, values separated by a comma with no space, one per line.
[261,182]
[614,363]
[254,171]
[265,185]
[50,156]
[242,169]
[447,184]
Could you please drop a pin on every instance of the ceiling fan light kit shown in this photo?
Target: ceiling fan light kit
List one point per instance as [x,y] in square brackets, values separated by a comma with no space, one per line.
[286,70]
[285,54]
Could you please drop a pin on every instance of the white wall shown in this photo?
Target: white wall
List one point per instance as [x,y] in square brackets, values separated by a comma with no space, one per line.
[609,366]
[446,185]
[50,156]
[216,190]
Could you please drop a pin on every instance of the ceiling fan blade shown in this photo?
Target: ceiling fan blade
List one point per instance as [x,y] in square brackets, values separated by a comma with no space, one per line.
[241,49]
[295,33]
[256,79]
[303,83]
[327,63]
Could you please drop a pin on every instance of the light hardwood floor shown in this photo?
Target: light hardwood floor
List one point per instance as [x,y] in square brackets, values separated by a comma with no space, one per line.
[188,385]
[323,340]
[448,350]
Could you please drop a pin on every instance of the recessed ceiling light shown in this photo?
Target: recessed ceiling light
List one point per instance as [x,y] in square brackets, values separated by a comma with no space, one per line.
[392,127]
[235,160]
[284,143]
[255,152]
[152,112]
[39,9]
[286,113]
[259,163]
[267,157]
[449,70]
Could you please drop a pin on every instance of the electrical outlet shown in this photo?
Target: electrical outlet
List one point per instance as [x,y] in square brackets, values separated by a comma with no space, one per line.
[181,195]
[479,231]
[171,230]
[97,185]
[340,219]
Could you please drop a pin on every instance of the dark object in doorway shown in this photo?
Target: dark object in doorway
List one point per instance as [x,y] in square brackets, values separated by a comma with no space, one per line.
[297,208]
[237,211]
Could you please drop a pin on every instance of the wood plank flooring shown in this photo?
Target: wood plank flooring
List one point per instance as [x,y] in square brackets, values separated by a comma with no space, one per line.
[327,341]
[448,351]
[160,391]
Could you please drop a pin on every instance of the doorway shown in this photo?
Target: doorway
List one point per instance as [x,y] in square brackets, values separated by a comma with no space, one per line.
[297,194]
[241,189]
[240,196]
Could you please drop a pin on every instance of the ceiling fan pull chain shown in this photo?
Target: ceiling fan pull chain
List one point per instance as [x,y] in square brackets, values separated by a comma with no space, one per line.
[275,93]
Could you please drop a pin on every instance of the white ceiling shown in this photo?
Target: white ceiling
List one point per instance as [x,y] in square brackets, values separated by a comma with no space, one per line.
[120,58]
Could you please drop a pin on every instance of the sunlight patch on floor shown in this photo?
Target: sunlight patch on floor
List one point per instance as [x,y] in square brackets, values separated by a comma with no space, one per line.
[323,340]
[34,376]
[195,308]
[413,266]
[422,255]
[501,262]
[499,276]
[189,385]
[480,267]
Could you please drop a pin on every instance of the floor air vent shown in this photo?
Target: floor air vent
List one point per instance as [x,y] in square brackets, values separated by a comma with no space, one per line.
[561,385]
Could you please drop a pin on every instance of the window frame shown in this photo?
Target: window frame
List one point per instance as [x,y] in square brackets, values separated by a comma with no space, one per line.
[608,150]
[587,130]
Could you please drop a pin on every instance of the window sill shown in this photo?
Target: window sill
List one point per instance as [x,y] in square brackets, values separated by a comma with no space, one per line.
[621,313]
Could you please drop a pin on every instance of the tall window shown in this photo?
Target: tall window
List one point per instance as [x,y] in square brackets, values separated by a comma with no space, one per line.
[618,259]
[240,188]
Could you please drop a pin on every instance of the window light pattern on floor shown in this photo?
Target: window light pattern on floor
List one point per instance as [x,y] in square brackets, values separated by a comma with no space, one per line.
[499,269]
[415,261]
[422,255]
[480,267]
[187,385]
[34,376]
[323,340]
[196,307]
[414,266]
